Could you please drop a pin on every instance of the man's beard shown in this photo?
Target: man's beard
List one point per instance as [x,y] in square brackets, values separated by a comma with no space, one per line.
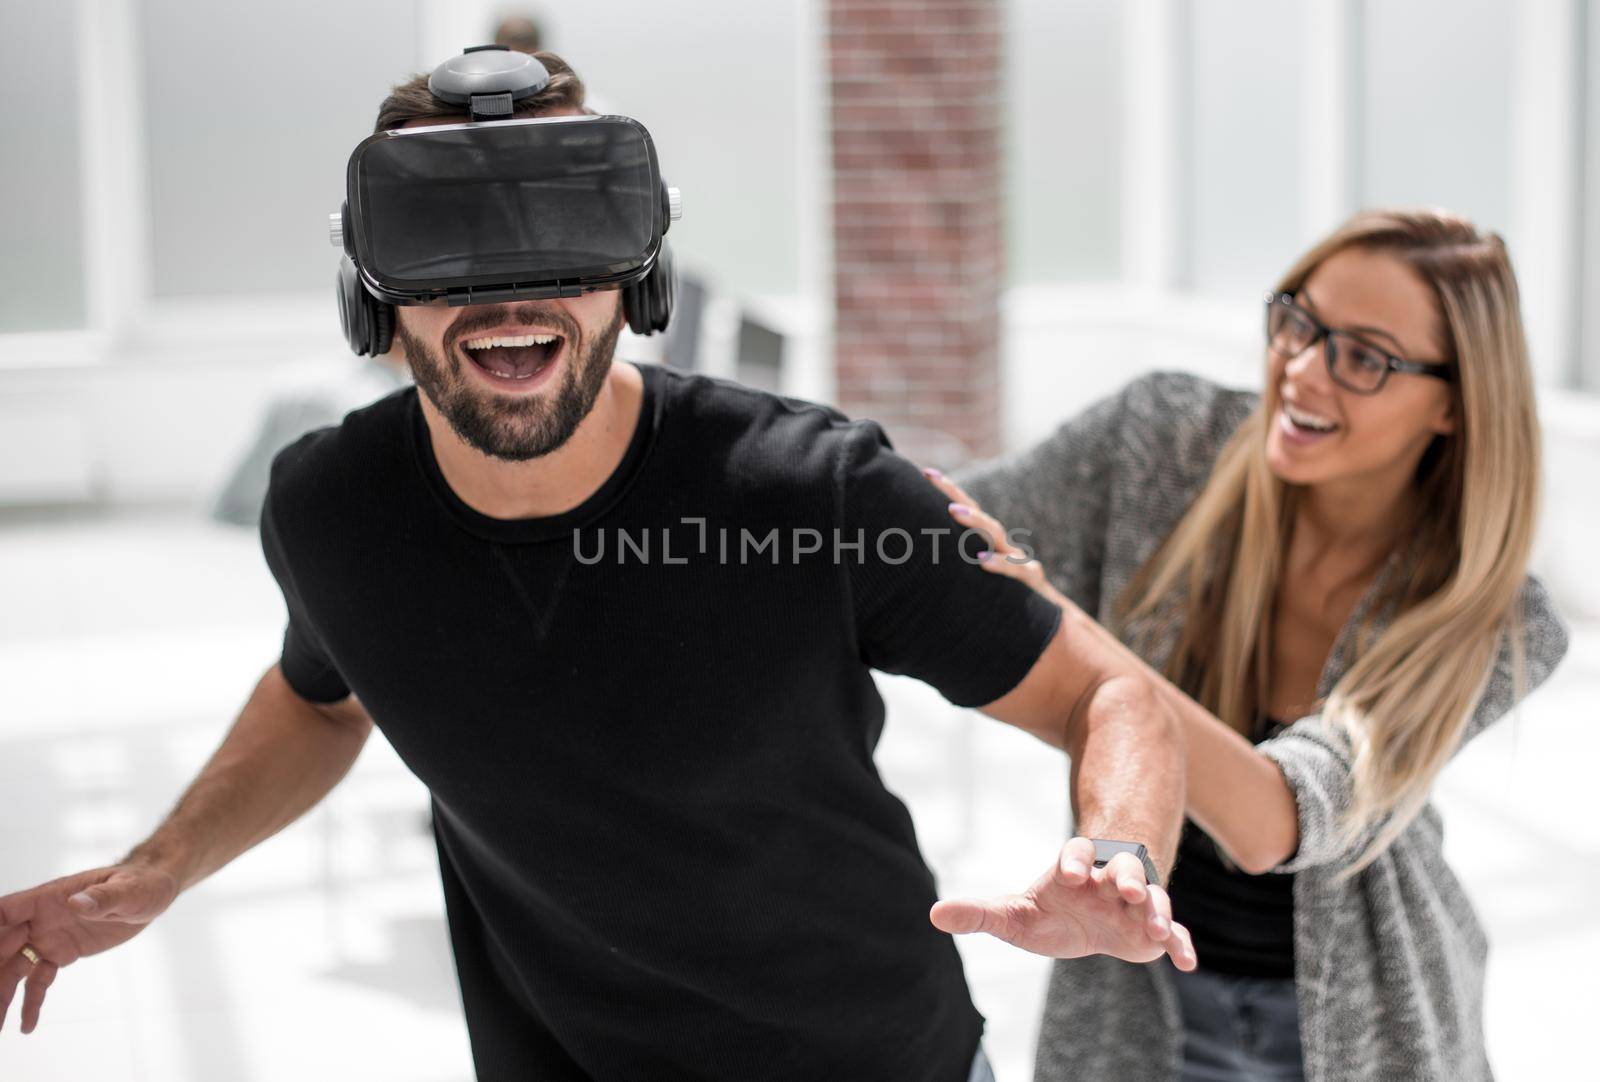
[511,427]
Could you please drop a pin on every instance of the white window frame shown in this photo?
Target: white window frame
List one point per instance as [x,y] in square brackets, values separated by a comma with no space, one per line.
[1550,157]
[123,319]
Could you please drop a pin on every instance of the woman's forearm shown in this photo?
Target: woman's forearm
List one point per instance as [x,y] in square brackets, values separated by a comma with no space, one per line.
[1236,795]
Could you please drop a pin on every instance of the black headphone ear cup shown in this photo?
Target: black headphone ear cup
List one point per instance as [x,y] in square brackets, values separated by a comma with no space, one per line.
[635,309]
[345,286]
[367,322]
[666,288]
[647,303]
[382,326]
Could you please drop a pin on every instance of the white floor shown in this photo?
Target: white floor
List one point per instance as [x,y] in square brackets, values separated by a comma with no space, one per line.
[127,642]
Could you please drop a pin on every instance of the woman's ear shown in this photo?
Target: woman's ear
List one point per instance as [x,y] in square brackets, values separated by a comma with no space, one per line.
[1444,421]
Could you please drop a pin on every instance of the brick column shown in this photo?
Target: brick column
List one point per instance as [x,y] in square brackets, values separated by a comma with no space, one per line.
[916,219]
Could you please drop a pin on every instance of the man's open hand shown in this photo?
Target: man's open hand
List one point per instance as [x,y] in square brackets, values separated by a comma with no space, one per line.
[1076,909]
[71,918]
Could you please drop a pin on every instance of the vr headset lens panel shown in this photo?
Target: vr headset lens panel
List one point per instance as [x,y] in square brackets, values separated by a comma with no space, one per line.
[512,202]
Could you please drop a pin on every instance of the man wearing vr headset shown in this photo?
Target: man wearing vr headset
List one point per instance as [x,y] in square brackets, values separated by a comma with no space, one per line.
[665,849]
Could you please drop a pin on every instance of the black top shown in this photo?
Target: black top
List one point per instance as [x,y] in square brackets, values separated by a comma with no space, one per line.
[1241,924]
[665,847]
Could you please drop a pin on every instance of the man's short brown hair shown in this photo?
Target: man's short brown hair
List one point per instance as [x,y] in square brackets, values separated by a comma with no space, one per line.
[412,100]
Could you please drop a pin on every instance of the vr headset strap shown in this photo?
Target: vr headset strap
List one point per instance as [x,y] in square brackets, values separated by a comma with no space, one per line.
[490,106]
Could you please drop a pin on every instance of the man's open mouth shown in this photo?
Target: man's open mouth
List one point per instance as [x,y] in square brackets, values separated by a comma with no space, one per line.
[521,356]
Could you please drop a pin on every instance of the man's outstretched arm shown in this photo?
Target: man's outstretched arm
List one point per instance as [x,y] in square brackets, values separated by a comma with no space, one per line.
[944,620]
[1127,747]
[282,755]
[1128,764]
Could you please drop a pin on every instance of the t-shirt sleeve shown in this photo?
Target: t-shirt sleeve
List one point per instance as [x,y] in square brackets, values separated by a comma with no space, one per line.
[922,604]
[305,661]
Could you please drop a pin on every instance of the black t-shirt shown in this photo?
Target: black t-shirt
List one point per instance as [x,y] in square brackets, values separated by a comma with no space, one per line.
[666,849]
[1241,924]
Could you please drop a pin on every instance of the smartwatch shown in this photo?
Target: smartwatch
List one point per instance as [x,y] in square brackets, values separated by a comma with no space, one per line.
[1105,850]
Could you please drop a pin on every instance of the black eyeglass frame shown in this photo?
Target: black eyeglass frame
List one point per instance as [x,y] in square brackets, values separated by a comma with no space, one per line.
[1443,370]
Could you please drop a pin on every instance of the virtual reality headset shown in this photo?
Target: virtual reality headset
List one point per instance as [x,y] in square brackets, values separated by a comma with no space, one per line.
[502,209]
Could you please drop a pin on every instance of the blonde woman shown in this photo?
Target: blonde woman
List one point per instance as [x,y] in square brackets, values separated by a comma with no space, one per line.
[1331,579]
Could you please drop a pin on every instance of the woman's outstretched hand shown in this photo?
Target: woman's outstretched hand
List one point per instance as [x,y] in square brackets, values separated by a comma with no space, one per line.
[1076,909]
[1003,557]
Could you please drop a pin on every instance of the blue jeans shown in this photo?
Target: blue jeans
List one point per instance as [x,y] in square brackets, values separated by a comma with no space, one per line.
[981,1071]
[1238,1029]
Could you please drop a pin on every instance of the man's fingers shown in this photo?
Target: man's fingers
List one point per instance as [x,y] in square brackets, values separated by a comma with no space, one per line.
[1129,876]
[12,940]
[1157,927]
[1080,849]
[1180,948]
[965,916]
[12,970]
[1161,902]
[1075,863]
[1105,884]
[96,902]
[33,995]
[122,898]
[15,909]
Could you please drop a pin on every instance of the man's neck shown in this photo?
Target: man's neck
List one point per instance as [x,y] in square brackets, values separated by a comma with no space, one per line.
[550,484]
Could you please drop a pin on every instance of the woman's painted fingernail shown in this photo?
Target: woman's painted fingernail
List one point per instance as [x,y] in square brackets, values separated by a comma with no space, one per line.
[985,556]
[960,509]
[932,474]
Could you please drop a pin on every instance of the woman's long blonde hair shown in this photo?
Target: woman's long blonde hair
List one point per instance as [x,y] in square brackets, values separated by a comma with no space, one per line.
[1408,695]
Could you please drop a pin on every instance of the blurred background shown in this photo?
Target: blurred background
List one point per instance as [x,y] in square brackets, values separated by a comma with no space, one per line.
[968,218]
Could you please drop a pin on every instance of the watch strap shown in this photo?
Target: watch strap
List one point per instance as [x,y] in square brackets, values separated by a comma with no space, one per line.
[1105,849]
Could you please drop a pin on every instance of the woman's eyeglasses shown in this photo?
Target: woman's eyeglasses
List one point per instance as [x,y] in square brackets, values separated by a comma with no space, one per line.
[1353,363]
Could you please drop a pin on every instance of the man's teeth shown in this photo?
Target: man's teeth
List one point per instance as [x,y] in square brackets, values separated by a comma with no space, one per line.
[517,340]
[1309,420]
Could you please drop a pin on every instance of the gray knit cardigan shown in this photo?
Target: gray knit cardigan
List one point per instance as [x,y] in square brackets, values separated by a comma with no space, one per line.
[1388,965]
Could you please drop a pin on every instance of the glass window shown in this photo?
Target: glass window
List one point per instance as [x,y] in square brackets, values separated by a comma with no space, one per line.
[1062,141]
[1246,116]
[1436,106]
[41,197]
[251,112]
[718,86]
[1588,376]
